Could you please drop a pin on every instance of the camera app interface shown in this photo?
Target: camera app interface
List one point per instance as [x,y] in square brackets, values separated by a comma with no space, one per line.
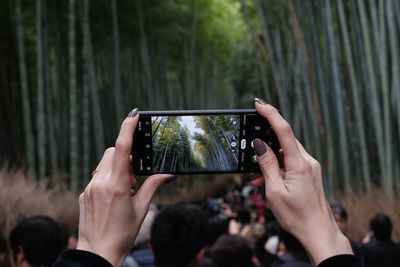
[195,143]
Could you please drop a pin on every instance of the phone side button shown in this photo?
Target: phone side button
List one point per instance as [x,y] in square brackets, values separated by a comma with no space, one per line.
[243,144]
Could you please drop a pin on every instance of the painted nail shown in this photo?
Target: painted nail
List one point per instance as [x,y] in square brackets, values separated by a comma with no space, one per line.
[259,147]
[133,113]
[171,179]
[260,101]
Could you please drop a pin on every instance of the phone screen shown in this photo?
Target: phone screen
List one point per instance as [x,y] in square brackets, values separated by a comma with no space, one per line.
[195,143]
[189,142]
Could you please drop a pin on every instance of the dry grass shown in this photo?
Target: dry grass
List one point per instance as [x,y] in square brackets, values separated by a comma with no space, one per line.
[361,208]
[20,199]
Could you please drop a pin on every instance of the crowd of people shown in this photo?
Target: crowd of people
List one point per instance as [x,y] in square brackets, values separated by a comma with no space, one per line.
[235,229]
[279,218]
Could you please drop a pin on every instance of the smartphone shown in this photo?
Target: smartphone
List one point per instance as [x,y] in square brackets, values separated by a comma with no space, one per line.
[199,141]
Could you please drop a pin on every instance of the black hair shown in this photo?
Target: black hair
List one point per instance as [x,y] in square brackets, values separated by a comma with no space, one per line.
[243,216]
[217,226]
[231,251]
[381,225]
[337,208]
[178,234]
[3,244]
[39,238]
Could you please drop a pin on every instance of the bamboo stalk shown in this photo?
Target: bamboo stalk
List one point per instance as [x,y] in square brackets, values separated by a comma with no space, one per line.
[375,106]
[395,85]
[28,133]
[144,55]
[73,122]
[344,153]
[317,105]
[257,43]
[119,100]
[330,165]
[356,99]
[40,114]
[52,145]
[388,178]
[94,88]
[277,90]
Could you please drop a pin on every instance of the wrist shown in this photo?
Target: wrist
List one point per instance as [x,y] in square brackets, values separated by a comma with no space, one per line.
[324,244]
[112,256]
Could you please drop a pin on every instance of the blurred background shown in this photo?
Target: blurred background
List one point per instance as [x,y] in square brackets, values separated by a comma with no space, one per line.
[72,70]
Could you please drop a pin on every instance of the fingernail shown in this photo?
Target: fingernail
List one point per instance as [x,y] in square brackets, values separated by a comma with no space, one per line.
[259,147]
[133,113]
[260,101]
[171,179]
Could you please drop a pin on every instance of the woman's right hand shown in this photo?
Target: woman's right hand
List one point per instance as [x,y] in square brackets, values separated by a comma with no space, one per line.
[295,193]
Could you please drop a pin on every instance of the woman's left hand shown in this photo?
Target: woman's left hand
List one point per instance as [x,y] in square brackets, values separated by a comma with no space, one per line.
[110,217]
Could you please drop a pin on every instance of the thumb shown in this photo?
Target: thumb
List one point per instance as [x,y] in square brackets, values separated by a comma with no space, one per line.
[150,186]
[269,166]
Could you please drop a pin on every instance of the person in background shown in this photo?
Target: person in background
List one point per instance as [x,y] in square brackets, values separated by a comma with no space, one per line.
[256,236]
[3,252]
[35,241]
[295,255]
[141,255]
[110,217]
[73,239]
[273,229]
[380,250]
[231,251]
[340,215]
[178,235]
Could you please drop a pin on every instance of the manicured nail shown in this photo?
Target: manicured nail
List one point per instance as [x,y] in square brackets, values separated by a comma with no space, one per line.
[171,179]
[133,113]
[260,101]
[259,147]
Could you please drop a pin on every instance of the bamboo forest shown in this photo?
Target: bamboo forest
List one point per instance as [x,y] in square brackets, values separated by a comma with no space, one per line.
[195,143]
[72,70]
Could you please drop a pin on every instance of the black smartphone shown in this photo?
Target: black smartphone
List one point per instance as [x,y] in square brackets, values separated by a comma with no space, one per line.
[199,141]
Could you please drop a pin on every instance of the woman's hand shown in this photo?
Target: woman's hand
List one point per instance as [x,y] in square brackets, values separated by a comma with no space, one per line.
[296,194]
[110,217]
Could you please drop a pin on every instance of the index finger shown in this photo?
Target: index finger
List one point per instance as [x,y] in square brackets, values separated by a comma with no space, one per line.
[123,145]
[282,130]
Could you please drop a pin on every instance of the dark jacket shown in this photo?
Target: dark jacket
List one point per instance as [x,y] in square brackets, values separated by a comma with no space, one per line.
[80,258]
[381,254]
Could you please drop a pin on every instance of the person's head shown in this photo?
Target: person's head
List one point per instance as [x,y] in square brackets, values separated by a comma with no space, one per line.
[145,229]
[73,239]
[217,226]
[340,215]
[291,243]
[231,251]
[255,234]
[36,241]
[3,251]
[381,226]
[178,235]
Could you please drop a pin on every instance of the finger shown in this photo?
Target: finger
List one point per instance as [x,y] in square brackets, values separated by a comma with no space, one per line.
[316,167]
[146,192]
[282,130]
[256,175]
[105,163]
[82,214]
[269,166]
[258,181]
[132,180]
[123,145]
